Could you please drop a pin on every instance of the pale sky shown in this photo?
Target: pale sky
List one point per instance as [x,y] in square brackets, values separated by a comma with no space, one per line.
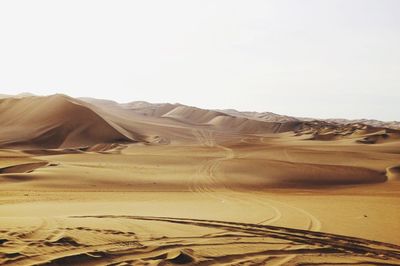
[314,58]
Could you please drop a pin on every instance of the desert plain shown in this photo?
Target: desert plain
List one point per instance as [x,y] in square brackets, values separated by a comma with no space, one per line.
[94,182]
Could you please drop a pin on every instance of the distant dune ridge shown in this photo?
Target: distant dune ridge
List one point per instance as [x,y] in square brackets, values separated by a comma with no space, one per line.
[59,121]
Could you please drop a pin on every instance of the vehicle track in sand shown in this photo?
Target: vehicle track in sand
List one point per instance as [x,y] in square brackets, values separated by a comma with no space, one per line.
[257,244]
[206,181]
[207,173]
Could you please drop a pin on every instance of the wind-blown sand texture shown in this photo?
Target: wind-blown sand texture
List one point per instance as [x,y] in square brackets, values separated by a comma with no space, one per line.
[94,182]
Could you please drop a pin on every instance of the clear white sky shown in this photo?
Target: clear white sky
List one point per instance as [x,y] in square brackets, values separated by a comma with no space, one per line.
[317,58]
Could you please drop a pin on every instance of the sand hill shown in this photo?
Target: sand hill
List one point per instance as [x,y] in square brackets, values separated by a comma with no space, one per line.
[54,122]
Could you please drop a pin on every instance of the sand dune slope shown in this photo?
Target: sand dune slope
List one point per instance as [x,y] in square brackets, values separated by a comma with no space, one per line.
[249,126]
[53,122]
[189,117]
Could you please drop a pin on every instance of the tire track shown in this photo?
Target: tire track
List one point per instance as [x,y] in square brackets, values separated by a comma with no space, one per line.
[345,244]
[303,242]
[205,179]
[208,170]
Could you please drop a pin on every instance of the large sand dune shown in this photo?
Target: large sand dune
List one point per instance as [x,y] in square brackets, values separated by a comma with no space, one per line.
[53,122]
[95,182]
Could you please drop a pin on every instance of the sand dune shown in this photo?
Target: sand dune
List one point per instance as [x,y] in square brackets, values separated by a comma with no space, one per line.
[53,122]
[263,116]
[249,126]
[192,115]
[268,174]
[95,182]
[188,116]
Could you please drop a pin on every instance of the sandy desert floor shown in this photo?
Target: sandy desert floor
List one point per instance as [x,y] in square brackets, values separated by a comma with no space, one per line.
[253,200]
